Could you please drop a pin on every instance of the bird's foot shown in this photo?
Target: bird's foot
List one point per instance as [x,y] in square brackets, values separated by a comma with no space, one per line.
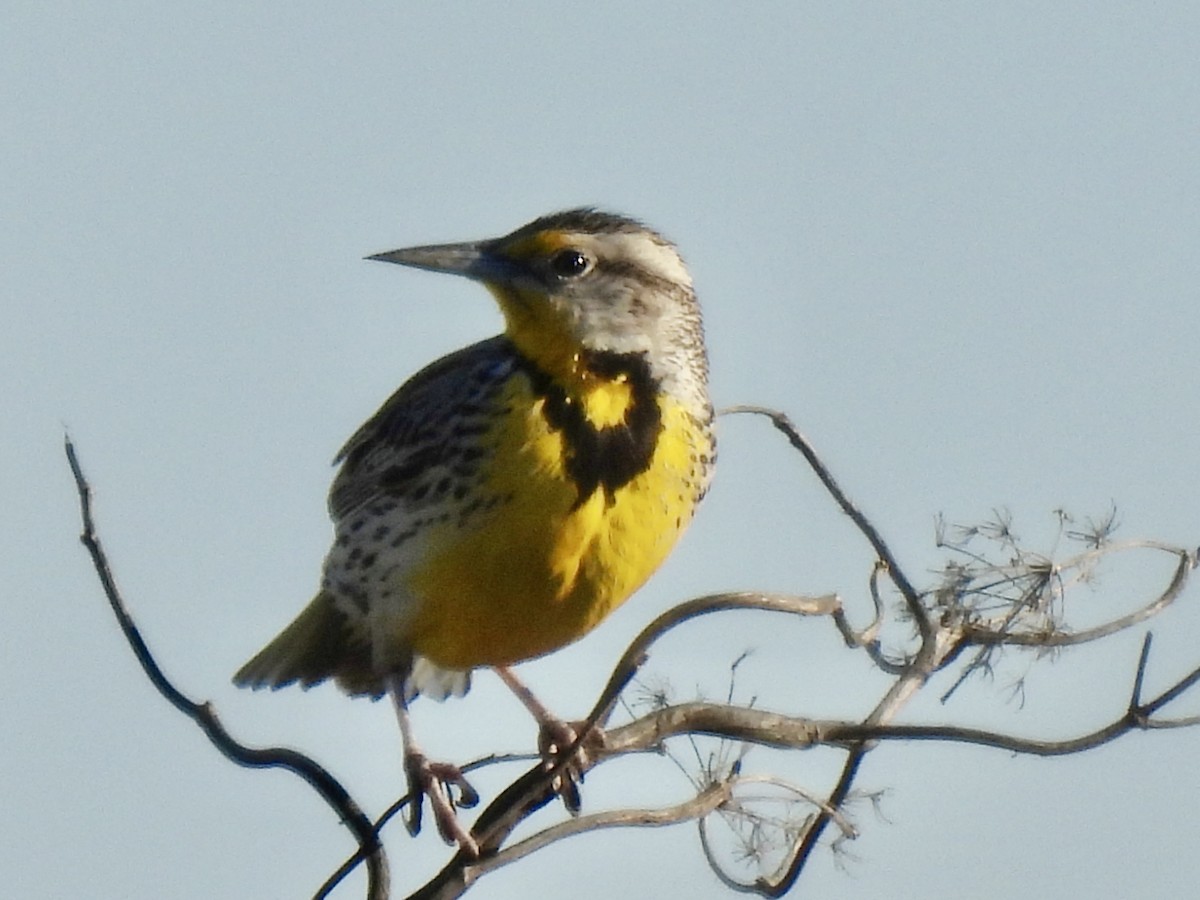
[447,789]
[555,740]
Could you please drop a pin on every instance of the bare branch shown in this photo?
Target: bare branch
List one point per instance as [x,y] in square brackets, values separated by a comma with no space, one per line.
[780,731]
[1139,678]
[797,440]
[802,851]
[697,807]
[315,775]
[868,638]
[796,732]
[635,654]
[1146,710]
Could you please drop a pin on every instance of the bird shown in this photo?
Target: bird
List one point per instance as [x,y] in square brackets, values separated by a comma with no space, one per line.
[506,498]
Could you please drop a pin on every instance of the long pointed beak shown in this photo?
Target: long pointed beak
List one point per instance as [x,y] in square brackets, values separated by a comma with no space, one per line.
[475,260]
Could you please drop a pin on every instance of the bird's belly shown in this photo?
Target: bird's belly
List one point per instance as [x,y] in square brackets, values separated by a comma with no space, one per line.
[540,569]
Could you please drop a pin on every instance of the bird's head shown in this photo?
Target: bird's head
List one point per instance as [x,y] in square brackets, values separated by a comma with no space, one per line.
[578,282]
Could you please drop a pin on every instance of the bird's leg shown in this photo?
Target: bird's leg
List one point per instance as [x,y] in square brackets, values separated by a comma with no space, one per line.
[435,780]
[555,738]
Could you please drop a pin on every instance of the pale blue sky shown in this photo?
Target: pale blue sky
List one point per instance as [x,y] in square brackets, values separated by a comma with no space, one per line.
[955,242]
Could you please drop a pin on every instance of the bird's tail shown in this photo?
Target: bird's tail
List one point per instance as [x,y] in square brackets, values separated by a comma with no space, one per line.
[319,644]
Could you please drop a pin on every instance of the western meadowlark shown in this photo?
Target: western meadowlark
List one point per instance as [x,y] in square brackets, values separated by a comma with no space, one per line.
[509,496]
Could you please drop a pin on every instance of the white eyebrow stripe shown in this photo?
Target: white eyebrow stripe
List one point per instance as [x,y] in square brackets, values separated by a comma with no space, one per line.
[657,257]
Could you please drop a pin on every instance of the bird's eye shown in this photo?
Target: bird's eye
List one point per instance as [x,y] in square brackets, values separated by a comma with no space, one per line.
[569,263]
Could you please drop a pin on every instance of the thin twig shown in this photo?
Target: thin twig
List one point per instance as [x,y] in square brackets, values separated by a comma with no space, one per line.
[697,807]
[867,638]
[317,777]
[807,843]
[1139,678]
[785,425]
[1171,693]
[635,654]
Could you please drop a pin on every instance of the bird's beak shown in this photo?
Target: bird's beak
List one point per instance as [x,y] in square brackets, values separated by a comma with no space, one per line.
[475,260]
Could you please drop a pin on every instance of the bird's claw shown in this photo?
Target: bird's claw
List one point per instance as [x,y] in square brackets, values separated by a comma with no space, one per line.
[447,789]
[556,739]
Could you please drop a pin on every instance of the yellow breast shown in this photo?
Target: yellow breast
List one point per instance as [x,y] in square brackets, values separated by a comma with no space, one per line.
[544,565]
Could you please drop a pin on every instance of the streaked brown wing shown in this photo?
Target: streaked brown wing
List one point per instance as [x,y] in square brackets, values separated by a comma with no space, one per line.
[410,433]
